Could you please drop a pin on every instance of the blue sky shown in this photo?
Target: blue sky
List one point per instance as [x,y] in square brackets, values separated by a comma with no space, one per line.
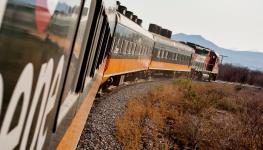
[233,24]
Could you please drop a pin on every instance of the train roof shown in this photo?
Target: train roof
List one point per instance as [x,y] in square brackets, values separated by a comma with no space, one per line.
[172,43]
[123,20]
[196,46]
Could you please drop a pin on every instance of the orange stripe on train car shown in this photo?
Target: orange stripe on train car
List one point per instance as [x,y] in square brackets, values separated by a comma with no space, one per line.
[157,65]
[120,66]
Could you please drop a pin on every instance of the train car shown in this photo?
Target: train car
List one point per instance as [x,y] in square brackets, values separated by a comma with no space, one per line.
[131,50]
[205,62]
[52,57]
[169,57]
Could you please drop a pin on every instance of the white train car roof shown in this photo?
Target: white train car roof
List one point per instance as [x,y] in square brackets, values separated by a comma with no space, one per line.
[123,20]
[172,43]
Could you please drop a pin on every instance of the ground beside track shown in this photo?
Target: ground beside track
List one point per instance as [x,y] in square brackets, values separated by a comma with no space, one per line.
[99,131]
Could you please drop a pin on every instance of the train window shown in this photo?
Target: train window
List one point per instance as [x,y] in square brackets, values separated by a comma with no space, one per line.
[170,55]
[140,49]
[117,46]
[142,52]
[166,55]
[133,48]
[179,58]
[124,47]
[145,50]
[159,54]
[113,45]
[137,49]
[189,60]
[163,55]
[130,48]
[149,50]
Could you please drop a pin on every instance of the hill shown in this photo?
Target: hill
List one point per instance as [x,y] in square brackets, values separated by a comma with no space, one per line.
[252,60]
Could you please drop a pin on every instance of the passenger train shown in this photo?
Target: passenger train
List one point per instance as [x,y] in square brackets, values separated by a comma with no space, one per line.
[56,54]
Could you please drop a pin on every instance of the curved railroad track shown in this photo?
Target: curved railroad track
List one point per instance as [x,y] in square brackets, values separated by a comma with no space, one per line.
[99,131]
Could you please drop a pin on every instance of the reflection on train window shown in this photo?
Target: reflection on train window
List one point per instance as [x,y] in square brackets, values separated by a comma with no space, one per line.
[159,54]
[125,45]
[140,50]
[117,46]
[129,48]
[143,50]
[166,55]
[114,44]
[133,48]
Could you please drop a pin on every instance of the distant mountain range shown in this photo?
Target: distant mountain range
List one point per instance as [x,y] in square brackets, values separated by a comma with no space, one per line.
[252,60]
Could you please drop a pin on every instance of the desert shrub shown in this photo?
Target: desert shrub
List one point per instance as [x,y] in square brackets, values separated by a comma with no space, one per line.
[193,115]
[238,87]
[227,105]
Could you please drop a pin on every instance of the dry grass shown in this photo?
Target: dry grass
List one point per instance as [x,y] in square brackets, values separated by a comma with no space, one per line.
[193,115]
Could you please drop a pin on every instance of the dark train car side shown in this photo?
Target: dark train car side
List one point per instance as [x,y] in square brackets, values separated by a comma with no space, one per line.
[52,58]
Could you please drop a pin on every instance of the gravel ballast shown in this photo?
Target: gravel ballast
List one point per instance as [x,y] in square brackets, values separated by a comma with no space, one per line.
[99,131]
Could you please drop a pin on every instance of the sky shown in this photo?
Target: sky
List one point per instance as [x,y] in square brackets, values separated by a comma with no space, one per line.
[232,24]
